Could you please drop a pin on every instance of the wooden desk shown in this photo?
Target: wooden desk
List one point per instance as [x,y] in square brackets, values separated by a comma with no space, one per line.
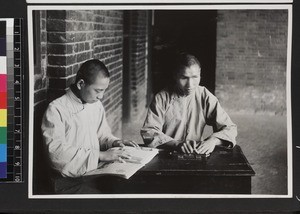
[224,172]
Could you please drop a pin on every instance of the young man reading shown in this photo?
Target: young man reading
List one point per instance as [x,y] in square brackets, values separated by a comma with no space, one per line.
[74,126]
[178,114]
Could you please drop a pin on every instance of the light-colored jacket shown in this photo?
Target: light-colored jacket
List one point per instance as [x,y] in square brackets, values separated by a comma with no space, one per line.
[73,133]
[174,117]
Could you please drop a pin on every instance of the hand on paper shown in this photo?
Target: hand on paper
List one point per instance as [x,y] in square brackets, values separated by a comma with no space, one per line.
[114,155]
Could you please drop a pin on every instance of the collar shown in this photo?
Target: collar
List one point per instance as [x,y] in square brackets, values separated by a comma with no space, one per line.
[174,95]
[76,104]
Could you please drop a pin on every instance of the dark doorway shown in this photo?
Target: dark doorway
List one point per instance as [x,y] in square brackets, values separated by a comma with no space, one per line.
[192,31]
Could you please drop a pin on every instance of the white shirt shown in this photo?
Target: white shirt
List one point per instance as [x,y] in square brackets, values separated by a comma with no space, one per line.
[174,117]
[73,133]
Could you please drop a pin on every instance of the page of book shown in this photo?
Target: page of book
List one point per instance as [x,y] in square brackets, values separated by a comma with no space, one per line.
[139,157]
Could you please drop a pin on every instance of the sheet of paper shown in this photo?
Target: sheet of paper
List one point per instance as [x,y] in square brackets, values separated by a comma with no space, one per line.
[139,157]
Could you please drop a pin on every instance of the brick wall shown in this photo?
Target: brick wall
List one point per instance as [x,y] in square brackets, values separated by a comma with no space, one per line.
[71,37]
[138,33]
[251,60]
[108,46]
[68,38]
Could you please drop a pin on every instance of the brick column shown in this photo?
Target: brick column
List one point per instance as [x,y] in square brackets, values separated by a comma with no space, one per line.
[108,47]
[76,36]
[138,35]
[70,42]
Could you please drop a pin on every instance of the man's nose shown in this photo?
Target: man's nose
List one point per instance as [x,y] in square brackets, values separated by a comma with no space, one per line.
[100,95]
[189,83]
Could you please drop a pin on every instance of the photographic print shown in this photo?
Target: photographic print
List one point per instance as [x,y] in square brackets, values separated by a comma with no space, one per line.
[240,54]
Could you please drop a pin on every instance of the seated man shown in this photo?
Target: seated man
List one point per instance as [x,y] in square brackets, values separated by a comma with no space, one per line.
[178,114]
[74,126]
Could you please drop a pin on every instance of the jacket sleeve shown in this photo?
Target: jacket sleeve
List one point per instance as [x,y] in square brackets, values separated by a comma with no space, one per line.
[223,127]
[151,131]
[67,159]
[105,136]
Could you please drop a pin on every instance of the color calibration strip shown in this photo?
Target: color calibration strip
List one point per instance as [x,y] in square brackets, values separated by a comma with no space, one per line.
[12,94]
[3,101]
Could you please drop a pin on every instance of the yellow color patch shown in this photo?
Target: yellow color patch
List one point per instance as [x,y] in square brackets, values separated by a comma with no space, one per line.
[3,117]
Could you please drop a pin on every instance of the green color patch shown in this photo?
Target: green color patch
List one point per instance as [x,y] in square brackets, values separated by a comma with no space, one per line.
[3,135]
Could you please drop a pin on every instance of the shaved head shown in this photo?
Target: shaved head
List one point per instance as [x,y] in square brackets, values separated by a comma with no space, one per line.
[90,70]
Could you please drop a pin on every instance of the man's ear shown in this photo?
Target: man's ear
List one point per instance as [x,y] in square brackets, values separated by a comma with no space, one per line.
[80,84]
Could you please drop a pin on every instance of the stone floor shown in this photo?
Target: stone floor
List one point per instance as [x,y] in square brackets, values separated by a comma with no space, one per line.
[263,139]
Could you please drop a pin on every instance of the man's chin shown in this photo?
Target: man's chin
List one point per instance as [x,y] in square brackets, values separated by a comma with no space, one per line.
[188,92]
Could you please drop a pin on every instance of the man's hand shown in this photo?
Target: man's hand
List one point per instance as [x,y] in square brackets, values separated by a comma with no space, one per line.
[207,146]
[114,155]
[188,146]
[122,143]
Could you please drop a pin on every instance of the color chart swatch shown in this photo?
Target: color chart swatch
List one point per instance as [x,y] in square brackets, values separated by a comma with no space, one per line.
[3,101]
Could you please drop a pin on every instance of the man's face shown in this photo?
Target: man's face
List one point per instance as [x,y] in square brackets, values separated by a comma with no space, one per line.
[94,92]
[187,79]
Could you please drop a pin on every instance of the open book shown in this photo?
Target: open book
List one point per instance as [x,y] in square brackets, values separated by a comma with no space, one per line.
[139,158]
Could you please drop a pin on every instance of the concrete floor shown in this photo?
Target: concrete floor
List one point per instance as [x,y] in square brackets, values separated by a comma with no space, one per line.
[263,139]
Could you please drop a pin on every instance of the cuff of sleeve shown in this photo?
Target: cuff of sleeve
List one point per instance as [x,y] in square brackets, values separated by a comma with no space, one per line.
[160,140]
[222,137]
[94,161]
[111,141]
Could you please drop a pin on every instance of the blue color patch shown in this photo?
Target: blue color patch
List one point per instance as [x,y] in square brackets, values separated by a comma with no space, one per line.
[3,153]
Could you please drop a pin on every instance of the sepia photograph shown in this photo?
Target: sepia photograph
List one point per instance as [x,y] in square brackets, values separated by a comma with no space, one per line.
[161,101]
